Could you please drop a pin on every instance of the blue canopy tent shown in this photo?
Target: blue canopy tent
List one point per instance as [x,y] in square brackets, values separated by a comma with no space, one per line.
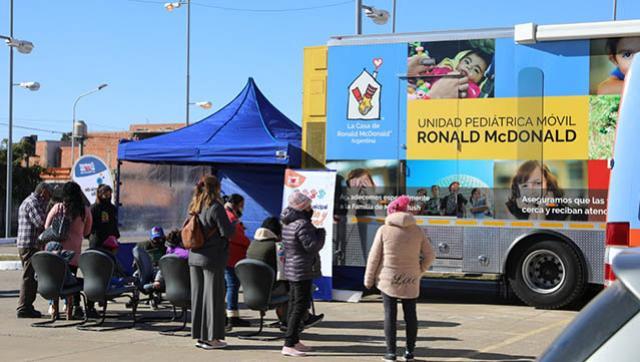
[249,143]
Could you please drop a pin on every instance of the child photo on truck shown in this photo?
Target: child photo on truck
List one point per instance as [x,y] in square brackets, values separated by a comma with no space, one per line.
[450,69]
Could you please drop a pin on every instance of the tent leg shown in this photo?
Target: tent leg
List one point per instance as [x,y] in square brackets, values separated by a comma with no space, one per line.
[118,185]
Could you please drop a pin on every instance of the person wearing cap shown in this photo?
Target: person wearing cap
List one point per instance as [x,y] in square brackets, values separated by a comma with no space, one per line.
[302,244]
[400,254]
[155,246]
[31,218]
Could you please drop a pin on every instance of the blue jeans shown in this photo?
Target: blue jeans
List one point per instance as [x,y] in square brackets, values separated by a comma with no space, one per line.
[233,286]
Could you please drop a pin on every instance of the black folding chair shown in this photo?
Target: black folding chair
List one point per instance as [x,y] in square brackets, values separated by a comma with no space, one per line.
[97,270]
[51,272]
[257,278]
[145,275]
[175,271]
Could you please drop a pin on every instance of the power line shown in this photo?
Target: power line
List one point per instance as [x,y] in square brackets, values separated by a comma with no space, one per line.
[58,121]
[248,10]
[33,128]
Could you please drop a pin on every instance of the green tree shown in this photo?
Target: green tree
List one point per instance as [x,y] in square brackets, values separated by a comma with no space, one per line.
[25,179]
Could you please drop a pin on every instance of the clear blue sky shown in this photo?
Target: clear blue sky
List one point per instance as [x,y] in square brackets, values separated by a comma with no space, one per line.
[139,49]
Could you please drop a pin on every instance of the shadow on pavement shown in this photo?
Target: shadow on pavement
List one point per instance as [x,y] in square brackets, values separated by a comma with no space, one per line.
[430,353]
[9,293]
[379,324]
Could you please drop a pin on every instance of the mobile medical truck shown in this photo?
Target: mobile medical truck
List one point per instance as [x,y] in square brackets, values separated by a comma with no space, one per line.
[500,136]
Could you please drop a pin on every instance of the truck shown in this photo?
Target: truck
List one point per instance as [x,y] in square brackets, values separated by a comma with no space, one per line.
[502,138]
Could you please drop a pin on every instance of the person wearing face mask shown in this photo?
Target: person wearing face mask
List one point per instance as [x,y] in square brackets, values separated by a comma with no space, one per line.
[105,224]
[105,218]
[238,245]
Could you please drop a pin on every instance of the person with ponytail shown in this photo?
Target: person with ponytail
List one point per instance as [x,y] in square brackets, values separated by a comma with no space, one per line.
[207,264]
[74,207]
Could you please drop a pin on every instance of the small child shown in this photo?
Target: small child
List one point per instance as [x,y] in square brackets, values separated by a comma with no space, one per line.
[174,246]
[620,52]
[473,64]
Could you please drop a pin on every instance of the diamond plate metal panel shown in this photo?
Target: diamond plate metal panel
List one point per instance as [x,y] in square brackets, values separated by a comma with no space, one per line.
[447,241]
[482,242]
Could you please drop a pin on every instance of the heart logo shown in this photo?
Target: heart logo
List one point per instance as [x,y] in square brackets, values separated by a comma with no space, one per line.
[377,62]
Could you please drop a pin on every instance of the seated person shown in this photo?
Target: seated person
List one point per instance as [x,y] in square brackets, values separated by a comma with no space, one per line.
[264,248]
[155,246]
[174,246]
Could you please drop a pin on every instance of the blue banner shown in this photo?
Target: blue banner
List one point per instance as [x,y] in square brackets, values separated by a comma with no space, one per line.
[365,109]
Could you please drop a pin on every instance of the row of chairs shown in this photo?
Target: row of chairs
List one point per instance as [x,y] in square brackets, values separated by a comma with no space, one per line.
[97,269]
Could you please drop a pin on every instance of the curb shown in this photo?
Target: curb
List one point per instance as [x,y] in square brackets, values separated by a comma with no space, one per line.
[10,265]
[5,241]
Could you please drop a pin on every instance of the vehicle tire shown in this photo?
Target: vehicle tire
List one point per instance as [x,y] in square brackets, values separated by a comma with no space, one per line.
[548,274]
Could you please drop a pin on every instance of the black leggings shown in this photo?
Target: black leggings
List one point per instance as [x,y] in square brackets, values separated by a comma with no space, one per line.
[299,301]
[391,318]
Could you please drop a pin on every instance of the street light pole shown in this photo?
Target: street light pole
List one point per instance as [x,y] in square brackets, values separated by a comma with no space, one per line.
[73,124]
[358,17]
[188,3]
[393,21]
[9,186]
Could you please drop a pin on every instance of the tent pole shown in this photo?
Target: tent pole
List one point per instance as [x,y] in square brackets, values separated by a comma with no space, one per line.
[118,186]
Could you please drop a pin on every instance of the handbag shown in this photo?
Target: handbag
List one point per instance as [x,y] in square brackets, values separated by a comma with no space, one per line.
[58,230]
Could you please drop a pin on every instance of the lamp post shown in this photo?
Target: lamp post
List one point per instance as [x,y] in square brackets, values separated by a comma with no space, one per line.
[170,7]
[23,47]
[378,16]
[73,124]
[203,105]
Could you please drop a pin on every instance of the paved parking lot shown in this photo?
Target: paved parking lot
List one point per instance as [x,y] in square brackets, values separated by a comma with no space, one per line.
[459,329]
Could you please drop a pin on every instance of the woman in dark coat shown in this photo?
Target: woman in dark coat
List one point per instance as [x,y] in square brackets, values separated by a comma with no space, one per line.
[302,243]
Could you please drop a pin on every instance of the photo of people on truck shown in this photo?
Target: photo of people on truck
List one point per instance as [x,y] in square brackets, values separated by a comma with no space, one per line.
[614,59]
[536,192]
[436,69]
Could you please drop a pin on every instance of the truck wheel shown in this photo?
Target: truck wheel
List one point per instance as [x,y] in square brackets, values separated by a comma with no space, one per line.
[548,275]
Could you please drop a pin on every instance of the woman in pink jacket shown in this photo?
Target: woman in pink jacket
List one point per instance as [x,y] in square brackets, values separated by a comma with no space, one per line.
[400,254]
[73,207]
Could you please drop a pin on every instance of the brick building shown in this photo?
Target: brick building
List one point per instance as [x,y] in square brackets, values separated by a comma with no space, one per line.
[55,156]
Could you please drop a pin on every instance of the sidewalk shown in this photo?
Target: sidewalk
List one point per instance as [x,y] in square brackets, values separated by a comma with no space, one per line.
[354,332]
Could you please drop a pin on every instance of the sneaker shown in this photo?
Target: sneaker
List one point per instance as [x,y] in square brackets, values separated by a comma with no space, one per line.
[239,322]
[215,344]
[408,356]
[312,320]
[50,311]
[302,348]
[389,357]
[292,352]
[29,313]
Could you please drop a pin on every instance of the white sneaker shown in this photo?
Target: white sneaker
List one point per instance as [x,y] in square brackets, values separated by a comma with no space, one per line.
[50,309]
[215,344]
[301,347]
[292,352]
